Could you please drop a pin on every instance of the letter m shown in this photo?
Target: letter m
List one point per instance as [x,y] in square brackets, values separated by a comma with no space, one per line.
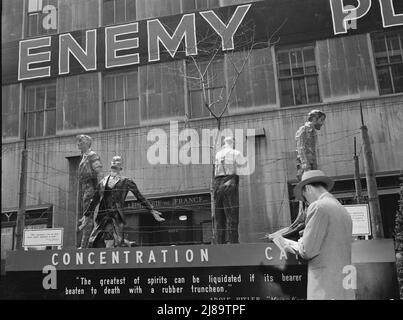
[157,33]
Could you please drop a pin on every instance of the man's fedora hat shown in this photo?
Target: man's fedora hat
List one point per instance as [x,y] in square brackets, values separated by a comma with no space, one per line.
[312,176]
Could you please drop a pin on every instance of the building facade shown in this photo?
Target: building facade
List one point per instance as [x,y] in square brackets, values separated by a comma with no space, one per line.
[119,107]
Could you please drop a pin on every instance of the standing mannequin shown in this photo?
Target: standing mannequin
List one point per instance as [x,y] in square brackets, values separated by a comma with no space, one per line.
[110,195]
[226,192]
[89,171]
[306,139]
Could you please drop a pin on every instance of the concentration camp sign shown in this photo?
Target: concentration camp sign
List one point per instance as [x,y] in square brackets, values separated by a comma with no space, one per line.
[194,34]
[218,272]
[254,271]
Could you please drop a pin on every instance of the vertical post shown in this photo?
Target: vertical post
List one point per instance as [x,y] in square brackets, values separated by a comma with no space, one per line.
[373,199]
[23,192]
[212,196]
[357,180]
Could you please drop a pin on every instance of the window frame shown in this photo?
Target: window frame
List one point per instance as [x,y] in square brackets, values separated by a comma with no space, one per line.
[114,22]
[384,35]
[304,75]
[124,99]
[45,111]
[38,13]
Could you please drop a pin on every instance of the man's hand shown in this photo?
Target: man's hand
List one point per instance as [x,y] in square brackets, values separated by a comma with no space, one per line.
[84,221]
[157,215]
[287,245]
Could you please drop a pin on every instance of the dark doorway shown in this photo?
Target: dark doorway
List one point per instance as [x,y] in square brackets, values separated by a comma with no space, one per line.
[74,212]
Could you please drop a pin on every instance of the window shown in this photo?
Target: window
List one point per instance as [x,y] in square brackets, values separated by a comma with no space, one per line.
[117,11]
[214,84]
[189,5]
[121,100]
[298,77]
[10,98]
[388,55]
[41,17]
[78,102]
[40,110]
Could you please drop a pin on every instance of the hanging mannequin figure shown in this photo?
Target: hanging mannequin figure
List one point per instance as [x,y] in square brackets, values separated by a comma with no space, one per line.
[226,192]
[306,141]
[110,195]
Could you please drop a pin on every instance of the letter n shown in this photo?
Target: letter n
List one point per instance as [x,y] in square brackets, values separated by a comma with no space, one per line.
[87,58]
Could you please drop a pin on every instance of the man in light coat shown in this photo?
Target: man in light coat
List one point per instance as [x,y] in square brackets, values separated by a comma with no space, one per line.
[327,238]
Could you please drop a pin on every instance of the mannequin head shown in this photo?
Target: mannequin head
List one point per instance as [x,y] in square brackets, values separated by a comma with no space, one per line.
[116,164]
[84,142]
[229,141]
[317,118]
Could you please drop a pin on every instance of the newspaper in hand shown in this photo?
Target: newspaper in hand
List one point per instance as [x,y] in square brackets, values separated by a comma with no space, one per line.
[286,245]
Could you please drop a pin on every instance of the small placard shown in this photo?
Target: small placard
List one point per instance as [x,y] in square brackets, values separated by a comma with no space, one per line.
[361,222]
[43,237]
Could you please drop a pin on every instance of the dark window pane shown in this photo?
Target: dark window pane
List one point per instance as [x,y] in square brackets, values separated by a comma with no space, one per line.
[30,99]
[385,84]
[119,87]
[110,115]
[393,43]
[309,60]
[132,112]
[397,75]
[39,124]
[40,98]
[296,63]
[284,64]
[119,109]
[379,45]
[50,123]
[381,60]
[286,93]
[31,124]
[109,88]
[32,24]
[131,86]
[108,12]
[313,89]
[299,91]
[51,97]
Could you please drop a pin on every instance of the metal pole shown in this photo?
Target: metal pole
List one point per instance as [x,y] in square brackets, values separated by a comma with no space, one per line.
[373,199]
[357,180]
[22,194]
